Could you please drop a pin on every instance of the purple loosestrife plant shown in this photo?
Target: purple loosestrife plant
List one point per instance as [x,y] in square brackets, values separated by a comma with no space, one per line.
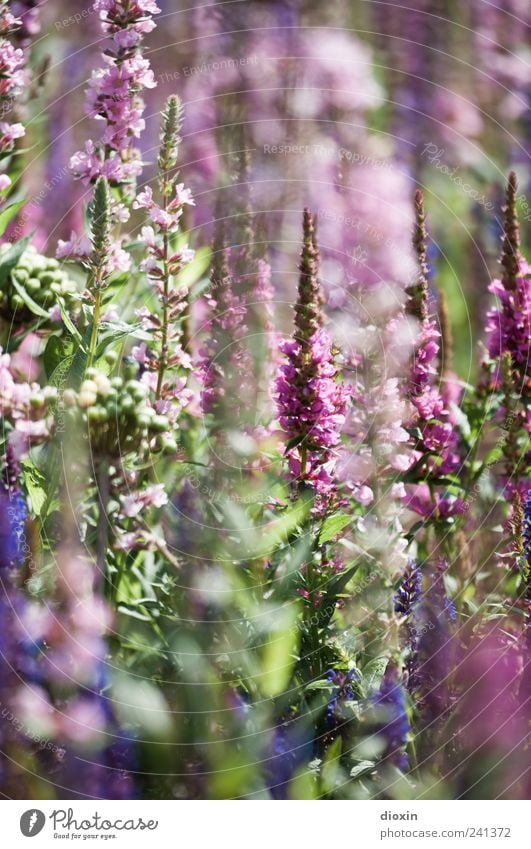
[13,80]
[164,367]
[525,686]
[224,358]
[114,94]
[509,346]
[311,403]
[102,256]
[260,319]
[434,437]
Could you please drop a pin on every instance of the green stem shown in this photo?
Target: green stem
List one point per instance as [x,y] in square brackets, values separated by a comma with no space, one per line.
[102,528]
[313,625]
[164,341]
[94,331]
[304,455]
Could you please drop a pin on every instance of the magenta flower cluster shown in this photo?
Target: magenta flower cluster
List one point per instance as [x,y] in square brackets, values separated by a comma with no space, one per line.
[312,407]
[509,323]
[114,94]
[13,78]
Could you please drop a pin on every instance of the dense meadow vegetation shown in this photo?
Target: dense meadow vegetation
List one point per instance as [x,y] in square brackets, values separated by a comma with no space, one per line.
[265,396]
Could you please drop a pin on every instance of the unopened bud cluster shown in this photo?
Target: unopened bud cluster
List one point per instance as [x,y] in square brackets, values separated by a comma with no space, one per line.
[34,278]
[119,417]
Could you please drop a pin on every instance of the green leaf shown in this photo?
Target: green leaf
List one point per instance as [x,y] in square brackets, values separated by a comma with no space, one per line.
[111,333]
[323,684]
[193,271]
[373,673]
[287,577]
[462,421]
[8,214]
[279,655]
[35,484]
[337,585]
[67,321]
[332,526]
[139,702]
[32,305]
[331,772]
[9,260]
[57,358]
[493,456]
[303,785]
[258,542]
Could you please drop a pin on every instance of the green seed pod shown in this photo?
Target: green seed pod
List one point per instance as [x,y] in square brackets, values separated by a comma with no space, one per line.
[130,370]
[168,445]
[97,414]
[143,421]
[20,275]
[111,357]
[159,424]
[32,285]
[127,404]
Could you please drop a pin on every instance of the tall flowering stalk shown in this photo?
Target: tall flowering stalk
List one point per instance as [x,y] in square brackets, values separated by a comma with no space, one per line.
[311,403]
[224,359]
[261,323]
[114,94]
[13,79]
[525,686]
[434,437]
[114,97]
[509,345]
[252,277]
[165,261]
[101,243]
[102,255]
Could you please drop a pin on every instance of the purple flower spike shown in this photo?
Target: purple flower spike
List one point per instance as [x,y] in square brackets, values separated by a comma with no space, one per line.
[311,403]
